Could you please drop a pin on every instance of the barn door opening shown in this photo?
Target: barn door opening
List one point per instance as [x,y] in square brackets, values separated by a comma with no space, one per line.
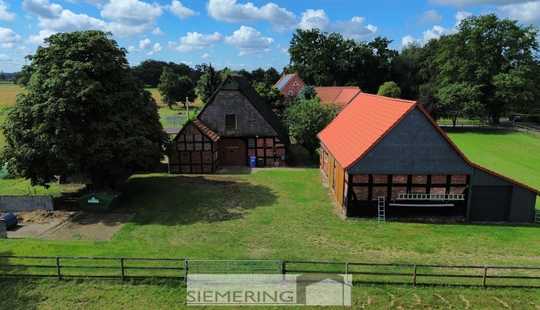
[233,152]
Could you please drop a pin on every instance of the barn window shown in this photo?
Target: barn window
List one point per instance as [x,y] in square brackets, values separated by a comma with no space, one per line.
[230,122]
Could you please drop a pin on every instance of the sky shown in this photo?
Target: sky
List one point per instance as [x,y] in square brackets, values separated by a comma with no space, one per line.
[237,34]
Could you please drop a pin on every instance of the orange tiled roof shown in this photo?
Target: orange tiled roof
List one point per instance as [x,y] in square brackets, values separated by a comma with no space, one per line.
[337,95]
[363,122]
[205,130]
[367,119]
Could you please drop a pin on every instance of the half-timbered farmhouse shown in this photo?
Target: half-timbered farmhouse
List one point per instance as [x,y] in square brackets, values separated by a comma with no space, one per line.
[384,157]
[234,128]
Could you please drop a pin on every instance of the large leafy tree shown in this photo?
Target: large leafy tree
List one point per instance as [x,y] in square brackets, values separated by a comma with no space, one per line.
[305,119]
[495,55]
[459,100]
[208,82]
[175,88]
[83,113]
[149,71]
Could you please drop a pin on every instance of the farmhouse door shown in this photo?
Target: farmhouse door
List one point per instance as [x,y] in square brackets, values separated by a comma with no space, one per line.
[233,152]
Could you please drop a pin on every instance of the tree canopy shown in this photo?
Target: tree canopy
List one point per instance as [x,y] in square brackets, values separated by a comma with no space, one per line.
[83,113]
[175,88]
[389,89]
[208,83]
[491,64]
[306,118]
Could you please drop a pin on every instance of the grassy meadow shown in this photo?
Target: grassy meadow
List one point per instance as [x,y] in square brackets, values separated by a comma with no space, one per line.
[281,213]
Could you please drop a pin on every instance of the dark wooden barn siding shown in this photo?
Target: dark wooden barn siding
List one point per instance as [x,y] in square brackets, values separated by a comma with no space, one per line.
[412,147]
[249,122]
[517,207]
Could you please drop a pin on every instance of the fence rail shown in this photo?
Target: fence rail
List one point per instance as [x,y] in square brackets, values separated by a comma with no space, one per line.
[124,268]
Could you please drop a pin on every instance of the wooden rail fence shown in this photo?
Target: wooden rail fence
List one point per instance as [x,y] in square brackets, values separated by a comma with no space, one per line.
[124,268]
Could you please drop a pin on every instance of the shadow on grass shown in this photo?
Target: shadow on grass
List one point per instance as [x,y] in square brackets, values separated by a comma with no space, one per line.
[183,200]
[16,293]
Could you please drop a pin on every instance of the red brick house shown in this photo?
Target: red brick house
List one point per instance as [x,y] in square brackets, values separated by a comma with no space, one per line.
[290,85]
[234,126]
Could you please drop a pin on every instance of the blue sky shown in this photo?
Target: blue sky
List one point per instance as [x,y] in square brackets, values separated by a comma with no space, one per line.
[235,33]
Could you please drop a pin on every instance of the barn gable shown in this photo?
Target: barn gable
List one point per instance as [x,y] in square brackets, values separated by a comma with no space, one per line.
[414,145]
[253,117]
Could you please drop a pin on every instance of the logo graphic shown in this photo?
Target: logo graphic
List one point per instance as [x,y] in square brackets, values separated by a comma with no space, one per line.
[264,289]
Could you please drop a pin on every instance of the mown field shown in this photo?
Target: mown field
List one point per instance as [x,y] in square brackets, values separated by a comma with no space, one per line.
[285,214]
[89,294]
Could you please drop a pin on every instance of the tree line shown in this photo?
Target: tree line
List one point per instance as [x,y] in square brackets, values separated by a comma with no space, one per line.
[487,68]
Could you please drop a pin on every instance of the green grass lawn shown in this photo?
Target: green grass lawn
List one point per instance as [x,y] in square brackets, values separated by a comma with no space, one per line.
[273,214]
[8,94]
[514,154]
[170,295]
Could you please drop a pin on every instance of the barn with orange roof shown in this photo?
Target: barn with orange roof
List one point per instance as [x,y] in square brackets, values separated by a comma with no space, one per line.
[384,157]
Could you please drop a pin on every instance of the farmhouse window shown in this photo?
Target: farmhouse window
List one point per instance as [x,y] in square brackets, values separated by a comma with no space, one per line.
[230,122]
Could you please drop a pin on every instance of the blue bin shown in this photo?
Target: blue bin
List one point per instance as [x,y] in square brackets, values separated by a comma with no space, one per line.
[252,161]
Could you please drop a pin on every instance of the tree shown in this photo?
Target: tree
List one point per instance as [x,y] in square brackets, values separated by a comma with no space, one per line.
[174,88]
[305,119]
[493,54]
[208,83]
[272,96]
[149,71]
[389,89]
[308,93]
[83,113]
[458,100]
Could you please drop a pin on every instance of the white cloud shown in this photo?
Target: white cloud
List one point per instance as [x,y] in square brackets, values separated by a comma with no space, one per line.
[8,38]
[129,17]
[248,40]
[233,12]
[178,9]
[408,40]
[462,3]
[145,43]
[205,56]
[69,21]
[314,19]
[461,15]
[353,28]
[42,8]
[131,12]
[157,32]
[156,48]
[5,14]
[196,41]
[435,32]
[528,12]
[431,17]
[4,57]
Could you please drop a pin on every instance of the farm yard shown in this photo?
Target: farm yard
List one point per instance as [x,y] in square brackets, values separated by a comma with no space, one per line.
[283,214]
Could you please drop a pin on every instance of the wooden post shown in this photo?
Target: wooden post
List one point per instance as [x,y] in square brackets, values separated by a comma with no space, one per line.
[346,268]
[484,279]
[186,270]
[58,271]
[122,268]
[414,276]
[283,267]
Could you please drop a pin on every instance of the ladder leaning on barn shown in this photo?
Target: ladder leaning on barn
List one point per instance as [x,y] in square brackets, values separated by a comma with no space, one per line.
[381,209]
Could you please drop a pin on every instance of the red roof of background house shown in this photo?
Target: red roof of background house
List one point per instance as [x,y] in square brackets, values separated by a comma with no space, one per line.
[337,95]
[366,121]
[361,125]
